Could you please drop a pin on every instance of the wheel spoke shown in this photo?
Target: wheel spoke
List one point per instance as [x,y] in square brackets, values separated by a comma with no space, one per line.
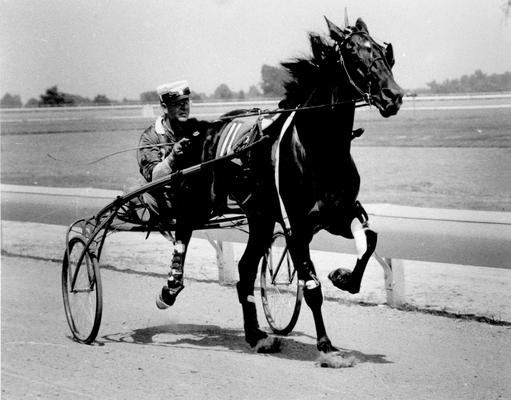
[279,264]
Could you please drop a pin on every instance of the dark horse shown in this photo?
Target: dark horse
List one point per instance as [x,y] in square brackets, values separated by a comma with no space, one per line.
[305,178]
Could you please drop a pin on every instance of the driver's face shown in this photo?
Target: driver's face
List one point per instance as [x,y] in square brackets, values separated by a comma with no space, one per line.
[179,110]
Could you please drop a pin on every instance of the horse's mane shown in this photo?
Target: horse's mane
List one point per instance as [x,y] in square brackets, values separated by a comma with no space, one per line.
[308,73]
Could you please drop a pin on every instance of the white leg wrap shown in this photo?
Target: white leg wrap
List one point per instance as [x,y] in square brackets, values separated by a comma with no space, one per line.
[312,284]
[179,247]
[357,229]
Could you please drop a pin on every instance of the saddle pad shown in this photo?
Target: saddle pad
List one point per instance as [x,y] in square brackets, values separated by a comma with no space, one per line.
[236,132]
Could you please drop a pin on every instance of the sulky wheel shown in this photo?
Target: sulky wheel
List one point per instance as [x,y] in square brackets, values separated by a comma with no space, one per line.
[81,290]
[281,291]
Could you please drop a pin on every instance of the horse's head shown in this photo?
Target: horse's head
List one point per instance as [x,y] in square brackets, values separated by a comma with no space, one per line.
[368,66]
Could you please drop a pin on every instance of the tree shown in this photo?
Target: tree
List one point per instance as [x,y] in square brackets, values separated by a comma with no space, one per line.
[53,98]
[506,8]
[253,92]
[223,92]
[477,82]
[32,103]
[10,101]
[197,96]
[150,97]
[125,100]
[101,99]
[273,79]
[76,99]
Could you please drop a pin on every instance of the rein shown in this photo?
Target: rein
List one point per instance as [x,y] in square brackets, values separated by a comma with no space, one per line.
[299,108]
[245,115]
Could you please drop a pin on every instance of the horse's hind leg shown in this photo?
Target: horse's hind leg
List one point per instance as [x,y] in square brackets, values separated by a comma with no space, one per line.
[261,231]
[365,241]
[168,294]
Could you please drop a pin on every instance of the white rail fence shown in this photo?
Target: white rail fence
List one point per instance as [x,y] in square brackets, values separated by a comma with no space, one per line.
[214,109]
[461,237]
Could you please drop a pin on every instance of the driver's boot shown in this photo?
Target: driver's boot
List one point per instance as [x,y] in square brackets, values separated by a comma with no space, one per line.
[169,292]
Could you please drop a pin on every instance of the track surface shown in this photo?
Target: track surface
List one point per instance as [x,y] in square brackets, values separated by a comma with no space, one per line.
[196,350]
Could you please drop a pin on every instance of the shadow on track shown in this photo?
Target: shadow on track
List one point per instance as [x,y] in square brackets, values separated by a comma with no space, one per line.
[215,338]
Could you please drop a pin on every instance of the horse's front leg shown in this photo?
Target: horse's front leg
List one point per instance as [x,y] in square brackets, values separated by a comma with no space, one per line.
[299,248]
[261,231]
[365,242]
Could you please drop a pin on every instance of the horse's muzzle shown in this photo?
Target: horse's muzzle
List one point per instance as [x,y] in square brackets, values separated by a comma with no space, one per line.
[389,101]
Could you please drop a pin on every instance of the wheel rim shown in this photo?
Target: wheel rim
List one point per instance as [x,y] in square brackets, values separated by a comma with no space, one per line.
[82,291]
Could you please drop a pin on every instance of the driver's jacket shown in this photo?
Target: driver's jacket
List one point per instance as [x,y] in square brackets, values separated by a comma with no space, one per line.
[157,141]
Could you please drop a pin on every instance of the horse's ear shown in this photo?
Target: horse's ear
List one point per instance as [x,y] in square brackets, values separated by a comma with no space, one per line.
[389,55]
[361,25]
[336,33]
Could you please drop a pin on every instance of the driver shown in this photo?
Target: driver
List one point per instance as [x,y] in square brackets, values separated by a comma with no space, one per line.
[173,142]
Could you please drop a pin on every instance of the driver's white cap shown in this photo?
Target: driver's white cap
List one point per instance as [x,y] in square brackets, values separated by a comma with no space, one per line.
[173,91]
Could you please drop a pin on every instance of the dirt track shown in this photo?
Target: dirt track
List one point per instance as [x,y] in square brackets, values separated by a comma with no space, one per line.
[196,350]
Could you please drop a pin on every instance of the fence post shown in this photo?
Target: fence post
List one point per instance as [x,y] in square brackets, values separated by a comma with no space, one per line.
[227,271]
[394,274]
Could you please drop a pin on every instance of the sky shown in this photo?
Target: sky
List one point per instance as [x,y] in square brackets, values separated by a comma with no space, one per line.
[121,48]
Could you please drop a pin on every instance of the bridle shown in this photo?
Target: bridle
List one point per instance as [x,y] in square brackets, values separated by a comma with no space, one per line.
[365,95]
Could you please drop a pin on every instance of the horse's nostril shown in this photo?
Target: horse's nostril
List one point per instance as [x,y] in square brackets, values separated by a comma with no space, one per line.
[388,93]
[392,95]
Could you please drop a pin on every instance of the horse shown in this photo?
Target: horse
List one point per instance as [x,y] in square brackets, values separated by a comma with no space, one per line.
[304,178]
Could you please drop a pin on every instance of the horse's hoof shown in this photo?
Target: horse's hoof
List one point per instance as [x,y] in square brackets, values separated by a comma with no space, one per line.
[253,336]
[335,360]
[331,357]
[269,344]
[341,278]
[324,345]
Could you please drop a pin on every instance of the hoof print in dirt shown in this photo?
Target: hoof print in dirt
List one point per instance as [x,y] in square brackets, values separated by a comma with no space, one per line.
[335,359]
[268,345]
